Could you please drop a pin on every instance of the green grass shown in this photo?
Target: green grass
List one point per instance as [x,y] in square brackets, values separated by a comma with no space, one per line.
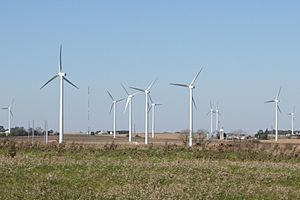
[86,172]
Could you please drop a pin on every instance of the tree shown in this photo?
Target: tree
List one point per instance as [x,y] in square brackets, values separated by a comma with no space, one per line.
[261,135]
[18,131]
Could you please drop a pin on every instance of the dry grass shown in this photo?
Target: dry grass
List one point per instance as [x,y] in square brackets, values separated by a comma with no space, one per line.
[114,171]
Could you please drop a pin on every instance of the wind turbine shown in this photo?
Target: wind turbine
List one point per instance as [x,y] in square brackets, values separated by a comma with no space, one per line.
[191,86]
[292,114]
[277,108]
[113,106]
[217,119]
[62,77]
[153,105]
[10,114]
[211,112]
[147,92]
[129,104]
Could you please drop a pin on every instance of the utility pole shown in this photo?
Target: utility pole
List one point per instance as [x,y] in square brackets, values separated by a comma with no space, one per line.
[28,132]
[32,132]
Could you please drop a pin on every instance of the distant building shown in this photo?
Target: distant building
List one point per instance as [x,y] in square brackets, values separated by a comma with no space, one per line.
[122,132]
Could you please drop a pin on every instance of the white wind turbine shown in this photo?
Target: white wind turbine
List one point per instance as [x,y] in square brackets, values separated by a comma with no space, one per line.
[153,105]
[277,108]
[191,86]
[147,92]
[113,106]
[217,119]
[292,114]
[62,77]
[10,114]
[211,112]
[129,105]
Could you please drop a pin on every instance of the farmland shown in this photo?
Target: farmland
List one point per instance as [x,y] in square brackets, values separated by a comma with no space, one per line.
[112,170]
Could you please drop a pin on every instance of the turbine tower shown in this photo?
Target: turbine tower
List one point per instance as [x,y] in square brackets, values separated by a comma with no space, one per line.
[153,105]
[217,119]
[277,108]
[10,114]
[147,92]
[211,112]
[113,106]
[292,114]
[129,104]
[191,86]
[62,77]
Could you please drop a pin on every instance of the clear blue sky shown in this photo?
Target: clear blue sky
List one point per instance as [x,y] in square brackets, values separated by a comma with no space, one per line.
[248,49]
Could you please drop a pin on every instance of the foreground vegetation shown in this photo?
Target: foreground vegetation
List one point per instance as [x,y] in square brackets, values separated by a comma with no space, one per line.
[209,171]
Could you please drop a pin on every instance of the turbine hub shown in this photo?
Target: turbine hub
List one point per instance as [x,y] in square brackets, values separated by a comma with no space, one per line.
[191,86]
[147,92]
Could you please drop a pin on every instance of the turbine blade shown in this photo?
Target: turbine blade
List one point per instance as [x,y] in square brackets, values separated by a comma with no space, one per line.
[120,100]
[271,101]
[60,58]
[111,107]
[158,104]
[12,102]
[211,107]
[135,94]
[195,78]
[279,109]
[110,95]
[150,98]
[54,77]
[194,102]
[149,108]
[124,89]
[127,102]
[278,93]
[138,89]
[70,83]
[180,85]
[11,114]
[4,108]
[151,84]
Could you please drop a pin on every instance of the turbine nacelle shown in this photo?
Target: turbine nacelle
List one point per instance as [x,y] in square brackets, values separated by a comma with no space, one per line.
[192,87]
[62,74]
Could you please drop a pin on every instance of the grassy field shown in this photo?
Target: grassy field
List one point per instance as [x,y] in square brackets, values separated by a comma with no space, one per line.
[208,171]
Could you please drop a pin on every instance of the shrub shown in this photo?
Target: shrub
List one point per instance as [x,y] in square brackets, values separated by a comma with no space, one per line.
[11,149]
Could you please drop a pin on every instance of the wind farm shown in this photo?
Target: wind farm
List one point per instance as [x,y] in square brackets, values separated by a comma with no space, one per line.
[149,100]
